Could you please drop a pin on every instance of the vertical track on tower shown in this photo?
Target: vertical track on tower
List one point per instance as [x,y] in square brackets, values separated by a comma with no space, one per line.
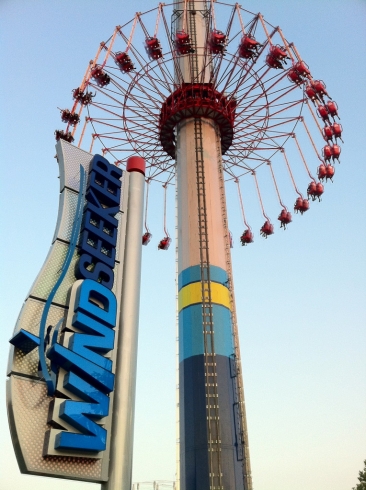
[239,408]
[193,33]
[212,401]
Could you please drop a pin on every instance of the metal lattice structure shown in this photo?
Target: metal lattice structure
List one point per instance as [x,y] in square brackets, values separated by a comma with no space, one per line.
[256,98]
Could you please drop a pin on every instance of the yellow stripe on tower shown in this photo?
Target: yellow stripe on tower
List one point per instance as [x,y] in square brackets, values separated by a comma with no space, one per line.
[192,295]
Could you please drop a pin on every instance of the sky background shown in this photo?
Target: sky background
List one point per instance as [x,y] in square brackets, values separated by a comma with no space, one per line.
[300,294]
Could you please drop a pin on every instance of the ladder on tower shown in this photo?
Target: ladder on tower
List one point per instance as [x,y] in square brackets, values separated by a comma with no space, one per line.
[212,400]
[193,34]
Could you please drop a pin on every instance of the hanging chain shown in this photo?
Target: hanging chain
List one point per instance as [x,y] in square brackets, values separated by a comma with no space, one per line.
[165,229]
[241,203]
[146,204]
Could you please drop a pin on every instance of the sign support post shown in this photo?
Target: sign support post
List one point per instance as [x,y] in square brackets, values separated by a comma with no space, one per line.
[120,469]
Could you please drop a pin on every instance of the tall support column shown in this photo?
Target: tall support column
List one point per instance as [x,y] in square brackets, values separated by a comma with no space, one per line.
[209,434]
[214,453]
[120,473]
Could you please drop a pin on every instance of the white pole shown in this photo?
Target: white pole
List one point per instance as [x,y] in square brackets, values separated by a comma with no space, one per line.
[120,466]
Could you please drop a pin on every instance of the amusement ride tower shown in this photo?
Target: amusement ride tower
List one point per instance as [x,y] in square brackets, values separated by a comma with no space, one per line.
[215,453]
[204,105]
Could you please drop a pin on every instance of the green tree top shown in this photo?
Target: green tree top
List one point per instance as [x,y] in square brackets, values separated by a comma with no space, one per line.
[361,479]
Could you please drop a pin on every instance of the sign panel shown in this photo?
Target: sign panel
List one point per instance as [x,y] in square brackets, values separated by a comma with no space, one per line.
[62,358]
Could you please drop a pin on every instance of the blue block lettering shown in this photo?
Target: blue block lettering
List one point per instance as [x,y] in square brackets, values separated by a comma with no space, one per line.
[99,272]
[107,214]
[80,415]
[97,250]
[99,229]
[106,192]
[71,361]
[104,181]
[90,295]
[109,172]
[97,339]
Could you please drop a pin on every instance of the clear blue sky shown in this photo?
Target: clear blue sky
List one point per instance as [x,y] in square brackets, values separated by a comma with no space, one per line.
[300,294]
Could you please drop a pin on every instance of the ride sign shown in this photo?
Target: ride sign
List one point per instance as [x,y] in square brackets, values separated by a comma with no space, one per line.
[63,351]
